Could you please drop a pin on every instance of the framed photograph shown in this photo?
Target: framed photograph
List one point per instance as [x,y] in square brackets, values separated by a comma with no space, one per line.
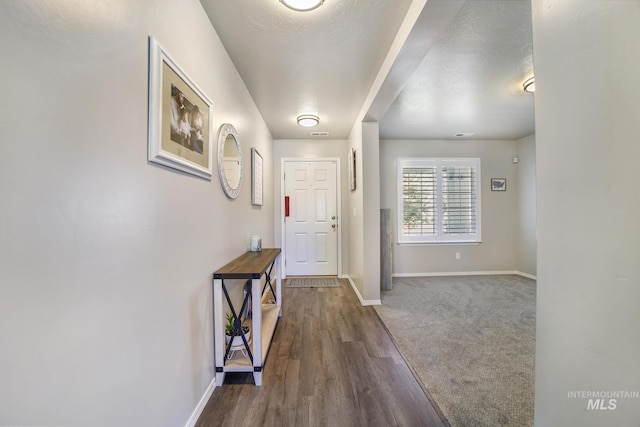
[498,184]
[180,118]
[352,169]
[256,178]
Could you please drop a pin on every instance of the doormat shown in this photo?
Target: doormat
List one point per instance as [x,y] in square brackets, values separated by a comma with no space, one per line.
[312,282]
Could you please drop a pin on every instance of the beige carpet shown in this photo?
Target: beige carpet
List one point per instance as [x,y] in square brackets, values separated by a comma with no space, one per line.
[471,340]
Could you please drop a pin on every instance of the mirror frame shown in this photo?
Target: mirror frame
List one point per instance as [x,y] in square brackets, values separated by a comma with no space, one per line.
[225,130]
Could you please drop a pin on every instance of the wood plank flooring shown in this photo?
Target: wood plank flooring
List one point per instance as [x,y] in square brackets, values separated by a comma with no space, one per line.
[331,363]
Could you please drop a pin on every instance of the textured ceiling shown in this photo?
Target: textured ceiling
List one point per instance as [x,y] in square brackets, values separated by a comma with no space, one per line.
[470,81]
[461,69]
[321,62]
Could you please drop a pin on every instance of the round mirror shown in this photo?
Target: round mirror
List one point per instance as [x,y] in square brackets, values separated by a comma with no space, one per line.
[229,160]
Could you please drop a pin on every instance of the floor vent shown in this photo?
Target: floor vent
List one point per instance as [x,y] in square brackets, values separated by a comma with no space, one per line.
[319,133]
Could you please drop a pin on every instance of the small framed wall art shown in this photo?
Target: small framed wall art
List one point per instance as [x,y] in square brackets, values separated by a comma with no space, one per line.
[352,169]
[179,134]
[498,184]
[256,178]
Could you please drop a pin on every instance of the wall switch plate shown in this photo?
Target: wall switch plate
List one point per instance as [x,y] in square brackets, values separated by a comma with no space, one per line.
[457,255]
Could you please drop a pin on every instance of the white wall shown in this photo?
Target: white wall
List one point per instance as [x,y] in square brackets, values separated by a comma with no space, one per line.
[587,149]
[364,214]
[105,259]
[356,234]
[526,194]
[312,148]
[498,249]
[370,179]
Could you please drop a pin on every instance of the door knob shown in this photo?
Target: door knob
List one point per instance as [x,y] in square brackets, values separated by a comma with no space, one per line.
[333,226]
[333,217]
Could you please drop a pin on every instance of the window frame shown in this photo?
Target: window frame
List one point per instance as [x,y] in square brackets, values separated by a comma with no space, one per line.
[439,237]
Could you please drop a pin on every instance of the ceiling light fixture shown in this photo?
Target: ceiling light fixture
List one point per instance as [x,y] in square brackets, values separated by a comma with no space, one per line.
[308,120]
[302,5]
[529,85]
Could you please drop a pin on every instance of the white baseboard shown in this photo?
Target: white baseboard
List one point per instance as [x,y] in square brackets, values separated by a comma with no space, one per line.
[465,273]
[527,275]
[203,402]
[362,301]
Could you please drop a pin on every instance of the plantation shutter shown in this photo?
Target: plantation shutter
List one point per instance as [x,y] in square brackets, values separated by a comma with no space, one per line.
[438,200]
[419,201]
[459,201]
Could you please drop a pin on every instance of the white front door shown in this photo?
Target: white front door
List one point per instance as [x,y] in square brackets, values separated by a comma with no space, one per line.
[311,229]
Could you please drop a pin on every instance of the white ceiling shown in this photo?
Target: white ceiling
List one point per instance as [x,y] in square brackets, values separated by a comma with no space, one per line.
[460,71]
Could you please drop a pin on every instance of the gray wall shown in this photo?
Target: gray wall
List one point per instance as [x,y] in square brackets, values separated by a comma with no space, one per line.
[526,193]
[312,148]
[587,150]
[105,259]
[370,178]
[499,247]
[364,214]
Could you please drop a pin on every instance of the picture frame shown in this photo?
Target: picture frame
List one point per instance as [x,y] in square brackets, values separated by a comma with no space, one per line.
[498,184]
[180,131]
[256,177]
[352,169]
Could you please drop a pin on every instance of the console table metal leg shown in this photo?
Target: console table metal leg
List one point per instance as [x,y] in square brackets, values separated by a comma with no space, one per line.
[257,378]
[278,285]
[257,330]
[218,328]
[219,378]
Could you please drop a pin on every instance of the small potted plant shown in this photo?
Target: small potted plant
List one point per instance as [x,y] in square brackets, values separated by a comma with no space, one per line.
[230,333]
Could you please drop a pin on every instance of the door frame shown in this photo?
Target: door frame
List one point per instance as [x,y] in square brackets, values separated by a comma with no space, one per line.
[283,238]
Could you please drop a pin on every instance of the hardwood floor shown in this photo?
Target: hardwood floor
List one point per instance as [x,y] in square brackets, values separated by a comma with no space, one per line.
[331,363]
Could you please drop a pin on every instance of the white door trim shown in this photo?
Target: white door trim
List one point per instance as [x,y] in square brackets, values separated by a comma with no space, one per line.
[283,238]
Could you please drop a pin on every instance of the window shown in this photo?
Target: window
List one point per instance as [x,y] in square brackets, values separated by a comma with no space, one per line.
[438,200]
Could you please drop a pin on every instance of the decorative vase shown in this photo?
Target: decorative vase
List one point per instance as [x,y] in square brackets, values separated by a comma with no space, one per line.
[237,340]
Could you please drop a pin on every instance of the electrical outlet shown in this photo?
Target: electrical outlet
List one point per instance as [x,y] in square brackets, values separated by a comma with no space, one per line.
[457,255]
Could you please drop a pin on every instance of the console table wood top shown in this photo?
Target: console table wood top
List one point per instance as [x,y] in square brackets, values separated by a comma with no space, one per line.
[250,265]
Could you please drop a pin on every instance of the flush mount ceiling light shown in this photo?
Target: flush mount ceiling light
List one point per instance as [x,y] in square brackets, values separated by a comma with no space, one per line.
[529,85]
[302,5]
[308,120]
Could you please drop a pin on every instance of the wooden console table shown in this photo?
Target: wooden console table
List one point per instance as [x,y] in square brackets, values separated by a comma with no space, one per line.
[251,266]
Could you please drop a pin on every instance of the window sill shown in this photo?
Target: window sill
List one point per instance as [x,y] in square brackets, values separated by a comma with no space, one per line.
[438,243]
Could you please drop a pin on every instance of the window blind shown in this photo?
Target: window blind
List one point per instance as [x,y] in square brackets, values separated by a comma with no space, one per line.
[458,200]
[419,201]
[439,200]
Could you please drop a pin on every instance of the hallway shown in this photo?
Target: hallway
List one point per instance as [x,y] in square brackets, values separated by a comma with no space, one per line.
[331,363]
